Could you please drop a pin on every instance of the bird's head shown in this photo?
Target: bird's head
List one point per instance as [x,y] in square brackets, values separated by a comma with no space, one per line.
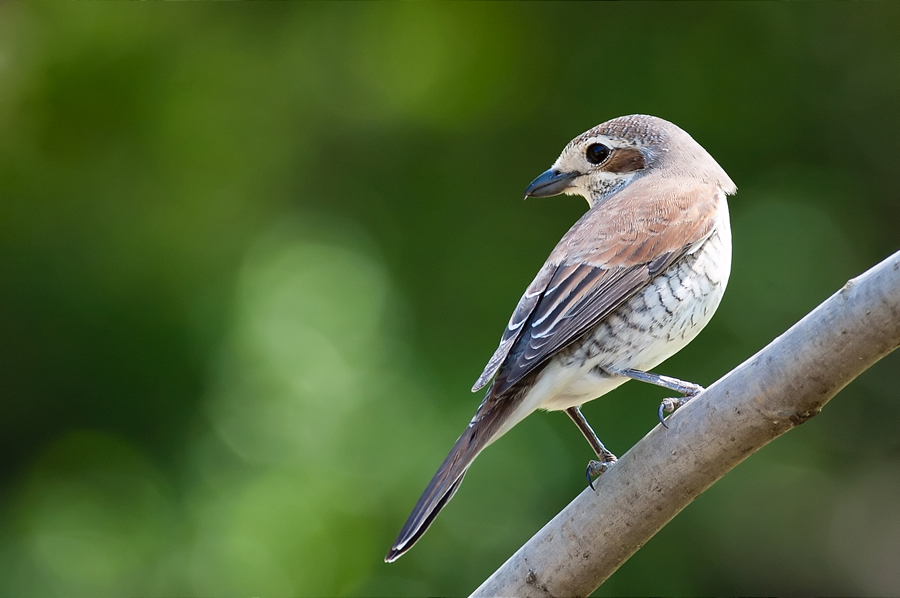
[608,157]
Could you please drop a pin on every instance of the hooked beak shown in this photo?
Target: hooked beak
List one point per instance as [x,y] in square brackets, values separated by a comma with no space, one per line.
[550,183]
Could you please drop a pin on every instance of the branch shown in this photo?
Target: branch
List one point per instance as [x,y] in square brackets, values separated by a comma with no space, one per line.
[779,388]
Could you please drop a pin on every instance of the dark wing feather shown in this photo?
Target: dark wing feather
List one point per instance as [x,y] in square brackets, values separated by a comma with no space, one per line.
[586,278]
[560,320]
[523,310]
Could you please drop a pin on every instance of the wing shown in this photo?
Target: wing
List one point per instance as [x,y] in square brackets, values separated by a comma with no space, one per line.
[610,254]
[522,313]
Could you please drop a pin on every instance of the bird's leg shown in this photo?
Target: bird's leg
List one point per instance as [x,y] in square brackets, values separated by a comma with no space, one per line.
[606,458]
[688,389]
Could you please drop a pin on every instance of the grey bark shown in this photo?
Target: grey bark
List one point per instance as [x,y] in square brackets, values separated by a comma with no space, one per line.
[779,388]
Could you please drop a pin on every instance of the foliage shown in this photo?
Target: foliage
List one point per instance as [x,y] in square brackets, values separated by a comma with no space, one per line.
[253,256]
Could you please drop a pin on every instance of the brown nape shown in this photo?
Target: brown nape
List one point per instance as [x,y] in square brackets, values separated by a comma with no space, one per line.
[626,159]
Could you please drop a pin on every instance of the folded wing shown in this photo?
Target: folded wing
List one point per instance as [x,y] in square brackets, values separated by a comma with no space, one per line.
[613,252]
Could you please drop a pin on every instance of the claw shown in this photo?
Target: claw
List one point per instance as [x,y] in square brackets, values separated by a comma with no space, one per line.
[597,468]
[669,406]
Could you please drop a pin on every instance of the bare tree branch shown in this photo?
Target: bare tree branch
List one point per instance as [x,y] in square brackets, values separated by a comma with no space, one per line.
[774,391]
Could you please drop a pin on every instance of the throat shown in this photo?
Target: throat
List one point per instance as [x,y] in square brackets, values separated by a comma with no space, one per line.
[600,189]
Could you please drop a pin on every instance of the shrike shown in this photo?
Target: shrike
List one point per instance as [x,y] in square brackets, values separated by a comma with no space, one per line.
[630,284]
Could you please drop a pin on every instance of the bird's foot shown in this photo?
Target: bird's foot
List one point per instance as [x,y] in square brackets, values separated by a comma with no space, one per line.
[671,404]
[597,468]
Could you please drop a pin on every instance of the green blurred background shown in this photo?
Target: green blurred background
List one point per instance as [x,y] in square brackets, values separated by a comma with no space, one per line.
[252,257]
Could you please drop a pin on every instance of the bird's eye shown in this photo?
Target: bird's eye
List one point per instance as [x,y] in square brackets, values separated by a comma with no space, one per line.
[596,153]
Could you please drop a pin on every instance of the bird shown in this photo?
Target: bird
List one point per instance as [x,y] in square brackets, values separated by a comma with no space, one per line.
[634,280]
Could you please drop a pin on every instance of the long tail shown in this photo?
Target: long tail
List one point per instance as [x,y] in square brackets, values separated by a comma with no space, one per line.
[495,416]
[440,490]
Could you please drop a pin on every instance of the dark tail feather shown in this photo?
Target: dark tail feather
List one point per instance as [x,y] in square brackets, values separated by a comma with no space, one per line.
[412,531]
[487,425]
[440,490]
